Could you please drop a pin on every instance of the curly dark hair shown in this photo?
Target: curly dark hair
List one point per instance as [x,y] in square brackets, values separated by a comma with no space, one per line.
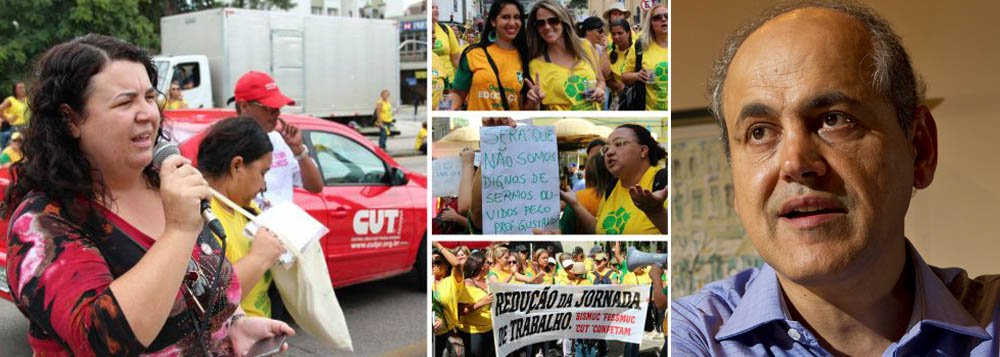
[656,152]
[227,139]
[53,163]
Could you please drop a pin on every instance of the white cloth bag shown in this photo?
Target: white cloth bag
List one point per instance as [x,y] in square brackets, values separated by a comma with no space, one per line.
[304,283]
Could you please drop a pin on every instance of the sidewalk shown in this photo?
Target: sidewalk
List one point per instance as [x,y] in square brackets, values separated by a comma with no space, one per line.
[408,125]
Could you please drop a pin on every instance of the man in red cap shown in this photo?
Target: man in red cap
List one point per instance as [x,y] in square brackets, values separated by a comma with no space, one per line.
[258,97]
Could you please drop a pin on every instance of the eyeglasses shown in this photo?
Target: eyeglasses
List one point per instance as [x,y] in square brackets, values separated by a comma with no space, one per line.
[269,110]
[617,144]
[552,22]
[660,17]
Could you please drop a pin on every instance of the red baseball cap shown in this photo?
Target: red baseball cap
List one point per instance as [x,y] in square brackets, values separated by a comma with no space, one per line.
[260,87]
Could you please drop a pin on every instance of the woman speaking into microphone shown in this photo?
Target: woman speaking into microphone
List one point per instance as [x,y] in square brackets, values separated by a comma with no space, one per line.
[106,256]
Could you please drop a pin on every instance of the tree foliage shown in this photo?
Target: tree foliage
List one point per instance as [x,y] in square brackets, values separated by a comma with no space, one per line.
[28,28]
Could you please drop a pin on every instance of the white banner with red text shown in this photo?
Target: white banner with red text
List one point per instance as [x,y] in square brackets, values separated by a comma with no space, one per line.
[528,314]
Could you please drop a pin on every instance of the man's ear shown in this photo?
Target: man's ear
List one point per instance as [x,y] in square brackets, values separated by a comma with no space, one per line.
[72,120]
[924,142]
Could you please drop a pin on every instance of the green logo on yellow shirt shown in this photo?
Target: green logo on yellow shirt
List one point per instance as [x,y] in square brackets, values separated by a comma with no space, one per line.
[615,222]
[438,45]
[661,72]
[575,86]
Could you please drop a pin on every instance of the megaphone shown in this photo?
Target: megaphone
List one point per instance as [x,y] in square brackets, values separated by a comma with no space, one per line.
[637,258]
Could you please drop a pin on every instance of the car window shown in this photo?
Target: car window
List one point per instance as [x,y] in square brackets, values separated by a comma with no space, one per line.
[343,161]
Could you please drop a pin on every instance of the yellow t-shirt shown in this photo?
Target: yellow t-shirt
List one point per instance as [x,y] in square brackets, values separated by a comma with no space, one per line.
[256,302]
[9,156]
[479,320]
[174,104]
[385,115]
[619,215]
[17,111]
[445,45]
[564,87]
[654,58]
[421,136]
[579,282]
[631,278]
[503,276]
[589,263]
[438,76]
[476,76]
[445,295]
[618,67]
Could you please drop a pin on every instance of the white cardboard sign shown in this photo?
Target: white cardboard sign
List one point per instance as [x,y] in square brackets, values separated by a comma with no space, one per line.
[447,174]
[520,179]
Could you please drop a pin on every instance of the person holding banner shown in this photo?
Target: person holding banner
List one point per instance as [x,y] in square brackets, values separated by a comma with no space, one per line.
[448,286]
[233,157]
[476,323]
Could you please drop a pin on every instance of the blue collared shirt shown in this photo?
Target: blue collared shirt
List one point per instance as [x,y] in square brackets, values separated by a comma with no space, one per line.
[745,315]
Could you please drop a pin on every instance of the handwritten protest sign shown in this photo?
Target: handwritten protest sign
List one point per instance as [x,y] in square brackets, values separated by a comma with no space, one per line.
[528,314]
[447,173]
[520,180]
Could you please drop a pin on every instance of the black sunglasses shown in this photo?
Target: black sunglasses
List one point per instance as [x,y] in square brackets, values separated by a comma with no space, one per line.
[552,21]
[660,17]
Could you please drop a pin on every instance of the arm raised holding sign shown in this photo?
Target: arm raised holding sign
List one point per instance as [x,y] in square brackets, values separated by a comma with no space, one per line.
[465,184]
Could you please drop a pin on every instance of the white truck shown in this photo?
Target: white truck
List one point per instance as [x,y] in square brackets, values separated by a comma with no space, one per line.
[333,67]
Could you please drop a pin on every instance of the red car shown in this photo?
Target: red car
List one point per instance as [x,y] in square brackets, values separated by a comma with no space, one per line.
[375,209]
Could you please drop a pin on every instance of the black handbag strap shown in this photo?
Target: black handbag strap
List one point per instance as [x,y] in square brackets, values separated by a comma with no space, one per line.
[503,94]
[638,55]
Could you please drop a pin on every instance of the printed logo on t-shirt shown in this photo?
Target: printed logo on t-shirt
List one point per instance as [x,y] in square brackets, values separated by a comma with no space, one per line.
[660,90]
[575,86]
[280,159]
[520,77]
[438,45]
[615,222]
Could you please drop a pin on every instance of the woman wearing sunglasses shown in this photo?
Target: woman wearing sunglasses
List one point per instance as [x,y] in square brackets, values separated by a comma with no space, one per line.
[506,268]
[653,72]
[174,98]
[490,74]
[566,69]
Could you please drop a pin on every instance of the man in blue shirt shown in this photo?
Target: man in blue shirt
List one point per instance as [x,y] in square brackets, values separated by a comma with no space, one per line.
[827,138]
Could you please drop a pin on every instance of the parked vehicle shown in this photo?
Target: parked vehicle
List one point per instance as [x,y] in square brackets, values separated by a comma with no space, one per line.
[333,67]
[375,209]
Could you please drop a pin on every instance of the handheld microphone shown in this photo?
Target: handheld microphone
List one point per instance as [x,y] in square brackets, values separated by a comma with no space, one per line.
[161,152]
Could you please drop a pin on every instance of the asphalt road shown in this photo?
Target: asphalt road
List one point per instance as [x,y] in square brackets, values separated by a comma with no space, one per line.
[386,318]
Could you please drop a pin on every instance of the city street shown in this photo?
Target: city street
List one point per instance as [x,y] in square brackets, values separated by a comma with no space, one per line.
[386,318]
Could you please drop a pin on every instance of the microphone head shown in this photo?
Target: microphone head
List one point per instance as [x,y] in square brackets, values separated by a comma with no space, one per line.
[162,151]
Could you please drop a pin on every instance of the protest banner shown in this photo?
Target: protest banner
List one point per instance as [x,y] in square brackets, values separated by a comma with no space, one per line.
[520,179]
[528,314]
[447,173]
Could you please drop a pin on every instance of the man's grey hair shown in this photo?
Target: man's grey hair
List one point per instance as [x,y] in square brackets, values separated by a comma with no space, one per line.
[892,76]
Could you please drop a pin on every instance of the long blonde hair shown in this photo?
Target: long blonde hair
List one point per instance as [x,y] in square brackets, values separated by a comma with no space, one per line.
[537,46]
[647,36]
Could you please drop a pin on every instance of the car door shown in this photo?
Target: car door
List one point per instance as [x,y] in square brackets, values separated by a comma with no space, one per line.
[365,213]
